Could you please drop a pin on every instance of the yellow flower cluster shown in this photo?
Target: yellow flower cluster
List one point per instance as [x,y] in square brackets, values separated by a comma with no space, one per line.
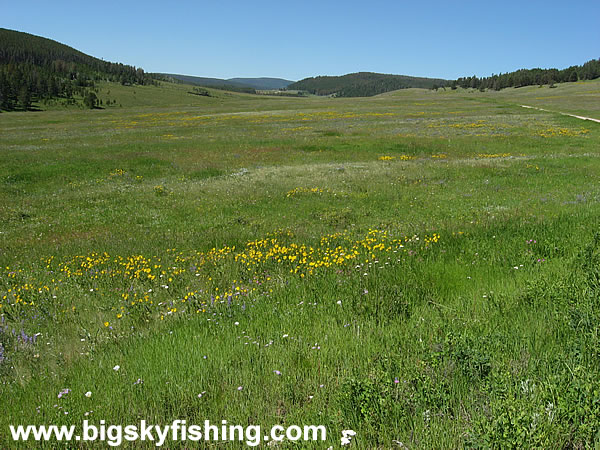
[160,190]
[300,129]
[494,155]
[182,282]
[478,124]
[478,128]
[555,132]
[303,190]
[401,158]
[335,250]
[117,173]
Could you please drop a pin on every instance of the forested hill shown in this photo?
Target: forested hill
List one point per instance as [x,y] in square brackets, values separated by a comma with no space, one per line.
[528,77]
[36,68]
[363,84]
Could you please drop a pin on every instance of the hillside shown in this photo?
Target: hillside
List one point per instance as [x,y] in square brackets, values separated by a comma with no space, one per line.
[530,77]
[234,84]
[215,83]
[263,83]
[362,84]
[33,68]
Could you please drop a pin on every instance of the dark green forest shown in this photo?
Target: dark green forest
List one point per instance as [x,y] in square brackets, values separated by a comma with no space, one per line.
[33,68]
[363,84]
[529,77]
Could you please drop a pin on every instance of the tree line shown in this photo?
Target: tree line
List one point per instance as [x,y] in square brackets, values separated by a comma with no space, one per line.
[529,77]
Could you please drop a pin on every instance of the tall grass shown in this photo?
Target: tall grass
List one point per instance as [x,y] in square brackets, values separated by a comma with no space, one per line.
[420,268]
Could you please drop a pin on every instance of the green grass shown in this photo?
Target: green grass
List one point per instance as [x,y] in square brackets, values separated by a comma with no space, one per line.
[490,331]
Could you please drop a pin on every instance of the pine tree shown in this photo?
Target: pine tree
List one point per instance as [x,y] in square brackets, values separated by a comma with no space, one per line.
[24,97]
[90,100]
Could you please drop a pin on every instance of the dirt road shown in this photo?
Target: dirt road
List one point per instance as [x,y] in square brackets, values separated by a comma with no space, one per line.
[564,114]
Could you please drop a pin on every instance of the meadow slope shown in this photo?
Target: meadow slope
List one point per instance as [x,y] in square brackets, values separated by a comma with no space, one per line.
[421,267]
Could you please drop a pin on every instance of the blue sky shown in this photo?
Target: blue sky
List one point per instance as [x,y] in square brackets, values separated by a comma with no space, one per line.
[299,39]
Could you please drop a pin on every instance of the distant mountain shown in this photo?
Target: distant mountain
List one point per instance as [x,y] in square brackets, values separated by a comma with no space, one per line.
[363,84]
[248,83]
[262,83]
[202,81]
[36,68]
[215,83]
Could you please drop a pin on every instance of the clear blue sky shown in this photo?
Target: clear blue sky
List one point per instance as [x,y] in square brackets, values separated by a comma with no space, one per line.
[295,40]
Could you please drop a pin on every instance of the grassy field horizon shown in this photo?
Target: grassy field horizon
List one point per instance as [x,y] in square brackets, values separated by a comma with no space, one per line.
[419,266]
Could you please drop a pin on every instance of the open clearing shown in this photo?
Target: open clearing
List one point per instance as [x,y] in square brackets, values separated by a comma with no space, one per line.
[421,267]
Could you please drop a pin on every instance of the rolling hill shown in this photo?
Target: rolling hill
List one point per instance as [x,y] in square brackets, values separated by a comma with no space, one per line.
[363,84]
[233,83]
[263,83]
[529,77]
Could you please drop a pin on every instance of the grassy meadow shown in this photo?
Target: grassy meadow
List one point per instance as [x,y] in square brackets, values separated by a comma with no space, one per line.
[421,267]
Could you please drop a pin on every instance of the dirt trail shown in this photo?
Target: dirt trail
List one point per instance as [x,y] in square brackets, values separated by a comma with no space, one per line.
[564,114]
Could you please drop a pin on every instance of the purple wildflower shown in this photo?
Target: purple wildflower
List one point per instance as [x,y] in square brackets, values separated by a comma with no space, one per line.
[64,392]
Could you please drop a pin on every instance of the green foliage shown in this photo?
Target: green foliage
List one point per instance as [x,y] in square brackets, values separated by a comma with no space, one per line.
[24,97]
[528,77]
[362,84]
[160,190]
[465,353]
[201,91]
[487,338]
[90,100]
[366,400]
